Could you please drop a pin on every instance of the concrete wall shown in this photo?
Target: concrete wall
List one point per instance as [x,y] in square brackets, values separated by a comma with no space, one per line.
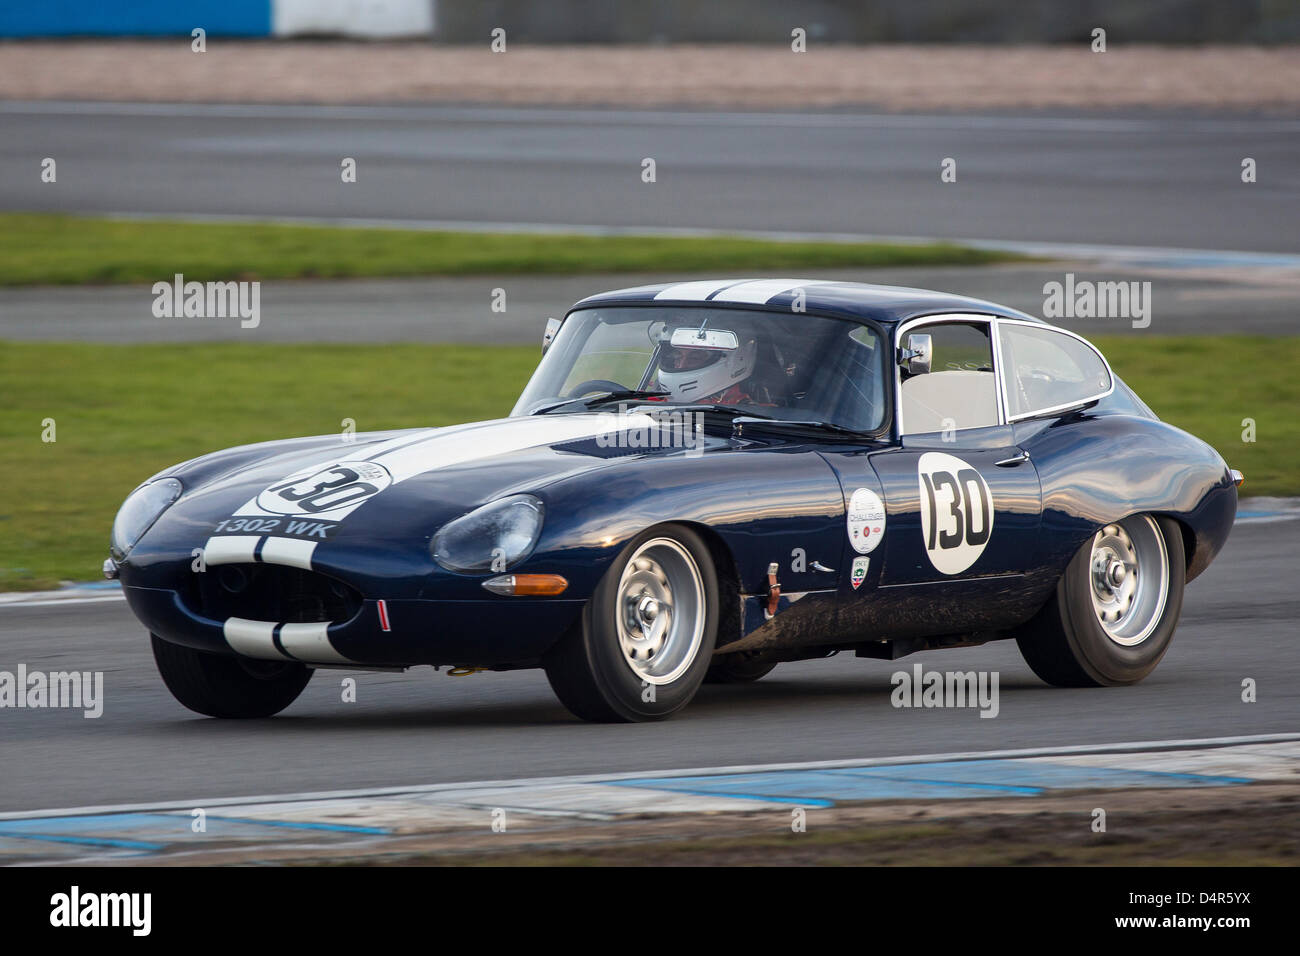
[876,21]
[668,21]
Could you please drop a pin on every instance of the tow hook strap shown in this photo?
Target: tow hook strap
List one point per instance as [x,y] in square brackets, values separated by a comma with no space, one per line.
[773,591]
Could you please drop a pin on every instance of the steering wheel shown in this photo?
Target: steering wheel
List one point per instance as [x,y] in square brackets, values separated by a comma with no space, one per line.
[594,385]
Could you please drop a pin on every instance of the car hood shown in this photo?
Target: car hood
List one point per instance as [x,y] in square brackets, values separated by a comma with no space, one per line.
[398,484]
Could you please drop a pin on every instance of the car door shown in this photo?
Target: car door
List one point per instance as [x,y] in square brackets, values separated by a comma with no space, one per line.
[961,500]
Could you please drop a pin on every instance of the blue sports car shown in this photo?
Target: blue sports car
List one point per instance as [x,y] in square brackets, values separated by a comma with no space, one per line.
[700,481]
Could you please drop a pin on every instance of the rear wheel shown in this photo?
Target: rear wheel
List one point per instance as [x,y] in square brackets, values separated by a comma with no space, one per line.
[645,639]
[1115,608]
[220,685]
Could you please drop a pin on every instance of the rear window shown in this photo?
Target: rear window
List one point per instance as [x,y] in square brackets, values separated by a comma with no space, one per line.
[1044,369]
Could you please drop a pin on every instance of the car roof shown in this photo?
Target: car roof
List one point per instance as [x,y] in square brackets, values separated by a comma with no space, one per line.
[852,300]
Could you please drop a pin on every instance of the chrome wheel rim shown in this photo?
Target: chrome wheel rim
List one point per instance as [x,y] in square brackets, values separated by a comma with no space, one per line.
[1129,575]
[660,608]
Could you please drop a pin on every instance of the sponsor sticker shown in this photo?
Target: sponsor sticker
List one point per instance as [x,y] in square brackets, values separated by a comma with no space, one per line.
[866,520]
[956,512]
[859,573]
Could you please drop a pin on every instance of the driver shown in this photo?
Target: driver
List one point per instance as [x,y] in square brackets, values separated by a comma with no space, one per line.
[717,376]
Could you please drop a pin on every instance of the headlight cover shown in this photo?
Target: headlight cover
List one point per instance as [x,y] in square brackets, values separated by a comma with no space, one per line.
[140,510]
[494,537]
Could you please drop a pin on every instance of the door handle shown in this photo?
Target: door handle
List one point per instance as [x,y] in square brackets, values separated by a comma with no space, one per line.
[1013,460]
[818,566]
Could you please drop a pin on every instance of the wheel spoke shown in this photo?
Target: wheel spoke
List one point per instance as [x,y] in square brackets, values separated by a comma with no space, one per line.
[1129,569]
[661,616]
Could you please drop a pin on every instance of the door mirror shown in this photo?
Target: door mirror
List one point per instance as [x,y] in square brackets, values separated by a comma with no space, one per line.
[915,356]
[552,326]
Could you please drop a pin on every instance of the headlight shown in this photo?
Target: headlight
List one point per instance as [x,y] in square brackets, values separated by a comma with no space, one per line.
[140,510]
[491,538]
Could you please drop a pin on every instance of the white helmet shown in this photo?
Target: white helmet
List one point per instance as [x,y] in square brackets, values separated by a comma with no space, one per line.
[694,374]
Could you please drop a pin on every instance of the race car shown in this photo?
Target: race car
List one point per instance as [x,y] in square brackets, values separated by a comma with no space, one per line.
[700,481]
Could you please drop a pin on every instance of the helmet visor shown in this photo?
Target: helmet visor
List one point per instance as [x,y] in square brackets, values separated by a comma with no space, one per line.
[674,358]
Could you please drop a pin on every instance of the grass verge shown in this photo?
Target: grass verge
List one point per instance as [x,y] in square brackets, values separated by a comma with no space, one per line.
[123,412]
[43,249]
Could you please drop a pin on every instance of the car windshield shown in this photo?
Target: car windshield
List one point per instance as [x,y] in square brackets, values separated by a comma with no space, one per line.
[780,365]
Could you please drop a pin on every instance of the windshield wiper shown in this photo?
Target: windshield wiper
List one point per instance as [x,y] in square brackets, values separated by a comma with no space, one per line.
[624,395]
[601,398]
[733,410]
[759,423]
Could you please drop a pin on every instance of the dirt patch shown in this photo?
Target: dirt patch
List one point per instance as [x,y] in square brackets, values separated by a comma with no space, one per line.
[1251,825]
[902,77]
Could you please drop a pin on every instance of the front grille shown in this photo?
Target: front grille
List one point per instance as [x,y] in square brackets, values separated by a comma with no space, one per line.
[271,592]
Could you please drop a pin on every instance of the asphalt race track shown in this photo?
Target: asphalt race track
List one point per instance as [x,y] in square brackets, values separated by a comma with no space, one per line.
[1239,620]
[1133,179]
[1136,179]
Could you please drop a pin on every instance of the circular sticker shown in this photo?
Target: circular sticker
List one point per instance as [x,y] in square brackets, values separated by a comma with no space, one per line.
[956,512]
[866,520]
[344,485]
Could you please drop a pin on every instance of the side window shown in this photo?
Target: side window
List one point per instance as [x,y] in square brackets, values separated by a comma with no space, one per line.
[1045,369]
[959,391]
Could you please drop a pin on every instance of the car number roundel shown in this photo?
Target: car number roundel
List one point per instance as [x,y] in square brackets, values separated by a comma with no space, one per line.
[343,485]
[956,512]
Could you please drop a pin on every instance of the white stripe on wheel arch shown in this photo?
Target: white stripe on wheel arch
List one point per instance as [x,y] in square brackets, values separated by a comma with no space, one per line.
[310,643]
[252,638]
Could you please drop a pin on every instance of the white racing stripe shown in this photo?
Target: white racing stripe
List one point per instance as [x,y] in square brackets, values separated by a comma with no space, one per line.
[696,291]
[408,456]
[761,291]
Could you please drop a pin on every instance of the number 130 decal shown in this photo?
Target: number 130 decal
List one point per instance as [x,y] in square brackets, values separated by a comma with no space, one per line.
[956,512]
[339,488]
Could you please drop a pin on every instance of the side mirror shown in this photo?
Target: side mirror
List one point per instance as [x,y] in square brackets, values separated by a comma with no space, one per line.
[552,326]
[915,357]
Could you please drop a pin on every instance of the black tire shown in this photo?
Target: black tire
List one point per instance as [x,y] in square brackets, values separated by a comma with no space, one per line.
[741,667]
[1066,645]
[219,685]
[588,670]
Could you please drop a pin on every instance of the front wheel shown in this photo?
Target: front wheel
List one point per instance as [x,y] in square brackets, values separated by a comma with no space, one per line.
[220,685]
[1115,608]
[645,639]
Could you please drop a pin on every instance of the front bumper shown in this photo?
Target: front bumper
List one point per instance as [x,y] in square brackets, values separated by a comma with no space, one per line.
[502,631]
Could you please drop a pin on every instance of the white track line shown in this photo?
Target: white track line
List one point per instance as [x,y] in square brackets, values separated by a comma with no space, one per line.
[47,599]
[640,118]
[1116,748]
